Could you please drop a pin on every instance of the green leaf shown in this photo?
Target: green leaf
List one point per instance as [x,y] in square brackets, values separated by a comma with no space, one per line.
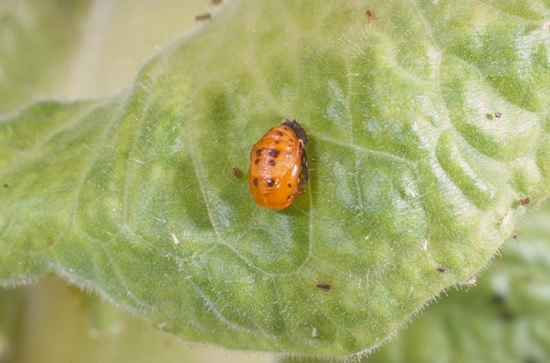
[427,125]
[502,316]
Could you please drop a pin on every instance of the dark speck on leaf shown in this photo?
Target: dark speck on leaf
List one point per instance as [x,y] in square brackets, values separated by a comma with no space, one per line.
[237,173]
[203,17]
[498,299]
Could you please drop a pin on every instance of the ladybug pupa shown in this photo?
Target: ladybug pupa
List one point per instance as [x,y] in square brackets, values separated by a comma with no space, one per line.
[278,166]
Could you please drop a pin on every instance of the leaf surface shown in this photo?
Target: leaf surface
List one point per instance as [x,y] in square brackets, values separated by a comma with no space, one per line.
[428,125]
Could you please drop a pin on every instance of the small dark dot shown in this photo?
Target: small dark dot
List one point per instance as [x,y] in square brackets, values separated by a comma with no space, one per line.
[202,17]
[525,201]
[237,173]
[368,13]
[507,315]
[273,152]
[257,161]
[289,197]
[498,114]
[441,269]
[270,182]
[259,152]
[279,133]
[324,287]
[255,182]
[498,299]
[289,185]
[6,185]
[271,162]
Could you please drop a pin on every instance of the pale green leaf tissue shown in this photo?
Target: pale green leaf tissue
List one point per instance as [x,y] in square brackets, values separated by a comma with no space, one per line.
[428,125]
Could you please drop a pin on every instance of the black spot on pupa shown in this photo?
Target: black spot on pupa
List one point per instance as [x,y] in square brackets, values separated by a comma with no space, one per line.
[257,161]
[270,182]
[289,185]
[259,152]
[279,133]
[255,182]
[271,162]
[273,153]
